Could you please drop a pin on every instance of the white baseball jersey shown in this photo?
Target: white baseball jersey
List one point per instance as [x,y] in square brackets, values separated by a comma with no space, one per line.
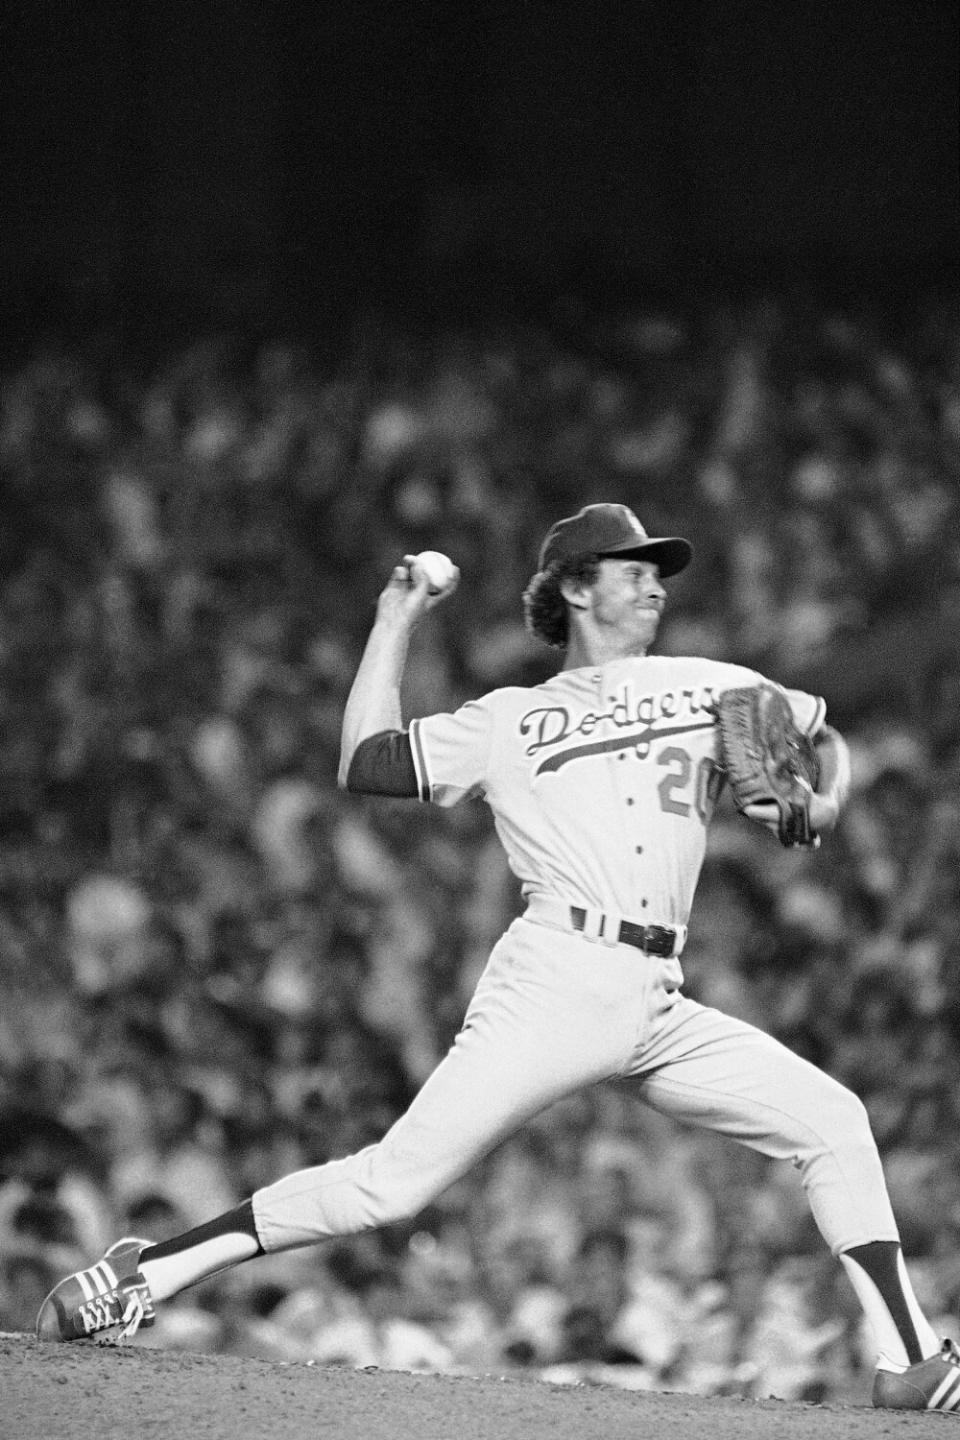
[602,780]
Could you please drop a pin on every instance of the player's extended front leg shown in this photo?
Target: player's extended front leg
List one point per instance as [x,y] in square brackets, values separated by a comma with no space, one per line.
[528,1040]
[546,1019]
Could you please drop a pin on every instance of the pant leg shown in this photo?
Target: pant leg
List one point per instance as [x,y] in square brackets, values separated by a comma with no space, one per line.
[709,1069]
[551,1013]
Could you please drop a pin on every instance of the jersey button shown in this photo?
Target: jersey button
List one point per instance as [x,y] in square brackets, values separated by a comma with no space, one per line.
[639,849]
[629,799]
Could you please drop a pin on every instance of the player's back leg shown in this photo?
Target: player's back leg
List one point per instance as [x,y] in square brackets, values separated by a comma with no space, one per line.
[707,1068]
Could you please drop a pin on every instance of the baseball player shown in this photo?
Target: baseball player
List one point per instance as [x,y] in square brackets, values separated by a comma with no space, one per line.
[602,782]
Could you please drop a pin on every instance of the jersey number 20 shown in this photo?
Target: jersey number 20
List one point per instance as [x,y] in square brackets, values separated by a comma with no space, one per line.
[685,787]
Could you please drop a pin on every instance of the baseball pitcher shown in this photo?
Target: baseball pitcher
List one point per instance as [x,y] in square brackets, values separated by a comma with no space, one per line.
[602,782]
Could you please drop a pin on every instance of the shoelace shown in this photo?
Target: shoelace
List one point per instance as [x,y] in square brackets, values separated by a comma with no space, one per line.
[132,1317]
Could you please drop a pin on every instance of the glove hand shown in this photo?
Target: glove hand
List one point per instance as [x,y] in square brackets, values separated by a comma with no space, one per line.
[824,812]
[771,765]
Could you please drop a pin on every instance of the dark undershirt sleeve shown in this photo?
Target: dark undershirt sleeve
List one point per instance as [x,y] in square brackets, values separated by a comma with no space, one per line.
[383,765]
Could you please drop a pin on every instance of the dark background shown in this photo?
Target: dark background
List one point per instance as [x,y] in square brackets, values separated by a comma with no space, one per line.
[256,153]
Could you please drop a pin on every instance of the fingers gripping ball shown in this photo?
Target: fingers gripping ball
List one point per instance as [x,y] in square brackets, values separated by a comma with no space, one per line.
[439,570]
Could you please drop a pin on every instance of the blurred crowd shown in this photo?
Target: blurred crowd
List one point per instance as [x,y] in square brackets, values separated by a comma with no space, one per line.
[215,968]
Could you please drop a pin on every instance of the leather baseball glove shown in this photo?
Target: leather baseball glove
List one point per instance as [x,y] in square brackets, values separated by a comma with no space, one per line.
[768,758]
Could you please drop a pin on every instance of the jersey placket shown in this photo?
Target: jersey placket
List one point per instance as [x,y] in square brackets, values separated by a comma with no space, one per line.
[625,783]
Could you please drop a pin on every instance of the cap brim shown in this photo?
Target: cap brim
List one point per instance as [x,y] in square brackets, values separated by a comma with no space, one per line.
[671,555]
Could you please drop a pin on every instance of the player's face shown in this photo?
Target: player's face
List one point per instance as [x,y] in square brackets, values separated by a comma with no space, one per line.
[627,601]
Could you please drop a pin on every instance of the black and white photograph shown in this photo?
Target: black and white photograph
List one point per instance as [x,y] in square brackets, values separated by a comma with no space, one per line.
[479,719]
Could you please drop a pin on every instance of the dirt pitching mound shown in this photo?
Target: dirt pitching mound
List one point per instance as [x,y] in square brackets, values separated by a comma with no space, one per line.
[110,1393]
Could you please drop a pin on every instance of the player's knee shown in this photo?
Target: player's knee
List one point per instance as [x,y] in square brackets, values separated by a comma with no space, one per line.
[846,1121]
[399,1192]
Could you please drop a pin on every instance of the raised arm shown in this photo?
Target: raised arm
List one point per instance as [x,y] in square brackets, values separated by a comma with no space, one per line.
[373,704]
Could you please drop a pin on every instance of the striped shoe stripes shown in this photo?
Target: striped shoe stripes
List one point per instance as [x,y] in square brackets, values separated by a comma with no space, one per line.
[110,1294]
[947,1394]
[931,1384]
[98,1280]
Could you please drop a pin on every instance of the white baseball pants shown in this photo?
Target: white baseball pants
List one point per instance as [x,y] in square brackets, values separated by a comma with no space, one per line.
[554,1012]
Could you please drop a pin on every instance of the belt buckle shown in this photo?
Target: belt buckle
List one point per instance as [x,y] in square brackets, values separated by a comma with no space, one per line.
[660,940]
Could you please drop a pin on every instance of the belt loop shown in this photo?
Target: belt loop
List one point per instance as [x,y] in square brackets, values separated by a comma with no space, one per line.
[611,928]
[593,924]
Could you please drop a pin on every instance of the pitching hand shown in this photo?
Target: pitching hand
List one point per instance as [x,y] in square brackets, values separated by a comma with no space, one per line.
[408,595]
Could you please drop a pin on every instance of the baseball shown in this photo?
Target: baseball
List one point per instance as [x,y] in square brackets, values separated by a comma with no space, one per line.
[439,569]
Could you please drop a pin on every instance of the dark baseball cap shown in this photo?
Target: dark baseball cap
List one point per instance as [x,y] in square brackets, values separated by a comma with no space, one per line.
[612,530]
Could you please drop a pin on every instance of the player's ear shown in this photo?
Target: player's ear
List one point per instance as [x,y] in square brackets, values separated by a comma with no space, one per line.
[576,593]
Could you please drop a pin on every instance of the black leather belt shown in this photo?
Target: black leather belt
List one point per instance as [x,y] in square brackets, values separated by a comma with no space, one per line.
[651,939]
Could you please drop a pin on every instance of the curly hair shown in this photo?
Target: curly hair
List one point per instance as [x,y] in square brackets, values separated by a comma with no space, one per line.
[546,612]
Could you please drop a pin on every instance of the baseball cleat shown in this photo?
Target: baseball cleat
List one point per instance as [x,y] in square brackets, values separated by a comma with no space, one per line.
[111,1296]
[933,1384]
